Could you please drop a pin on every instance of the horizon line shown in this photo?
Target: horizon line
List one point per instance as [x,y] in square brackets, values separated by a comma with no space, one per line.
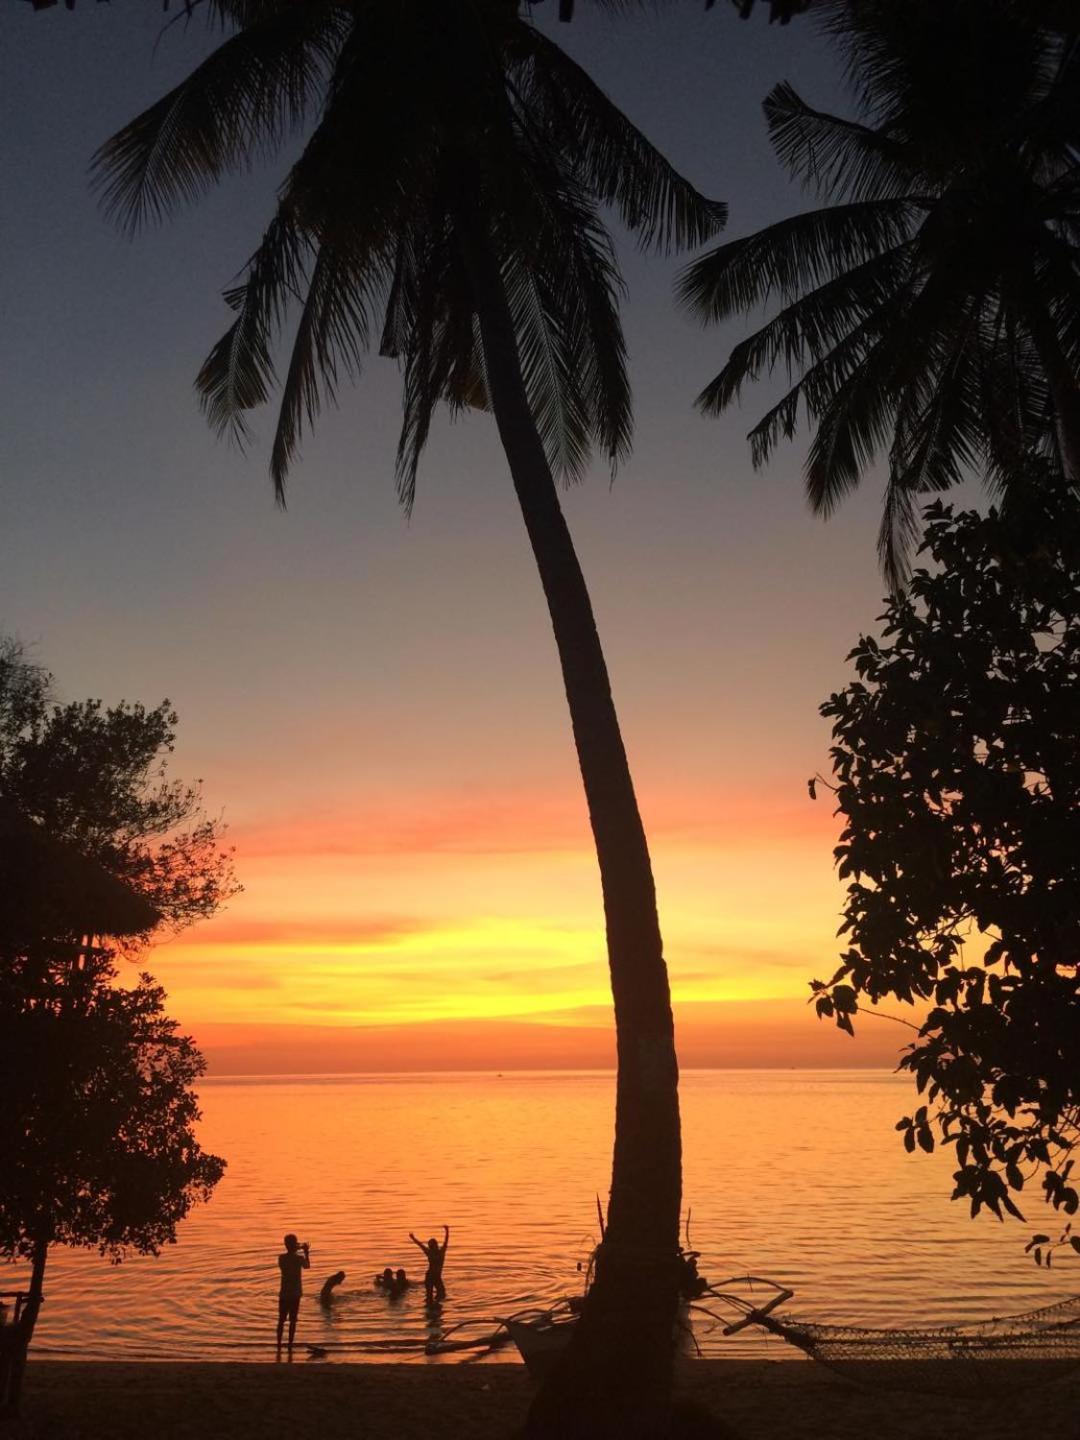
[529,1070]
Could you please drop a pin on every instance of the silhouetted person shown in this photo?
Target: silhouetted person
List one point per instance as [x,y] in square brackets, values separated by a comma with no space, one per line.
[297,1257]
[691,1284]
[396,1286]
[434,1289]
[385,1281]
[326,1294]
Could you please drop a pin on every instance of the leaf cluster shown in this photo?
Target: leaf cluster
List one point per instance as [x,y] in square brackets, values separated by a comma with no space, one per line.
[97,1124]
[97,777]
[957,764]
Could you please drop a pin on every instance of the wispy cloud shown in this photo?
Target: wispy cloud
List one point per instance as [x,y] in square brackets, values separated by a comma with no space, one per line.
[524,822]
[235,932]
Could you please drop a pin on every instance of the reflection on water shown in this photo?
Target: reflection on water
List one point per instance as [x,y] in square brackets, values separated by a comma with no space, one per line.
[795,1175]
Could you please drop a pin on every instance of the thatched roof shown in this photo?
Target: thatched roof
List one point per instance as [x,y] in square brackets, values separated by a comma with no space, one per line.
[49,890]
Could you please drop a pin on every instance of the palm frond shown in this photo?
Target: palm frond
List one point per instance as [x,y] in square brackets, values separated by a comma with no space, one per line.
[938,436]
[853,427]
[1015,398]
[819,383]
[238,373]
[810,328]
[595,330]
[611,157]
[836,157]
[241,102]
[332,336]
[546,367]
[563,285]
[792,256]
[440,359]
[912,349]
[942,74]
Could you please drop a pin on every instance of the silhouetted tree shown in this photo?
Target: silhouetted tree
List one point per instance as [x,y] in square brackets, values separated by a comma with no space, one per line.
[98,851]
[96,777]
[446,208]
[96,1121]
[957,761]
[929,307]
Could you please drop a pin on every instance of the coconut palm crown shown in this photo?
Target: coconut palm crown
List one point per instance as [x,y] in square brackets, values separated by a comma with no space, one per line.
[929,308]
[428,120]
[447,208]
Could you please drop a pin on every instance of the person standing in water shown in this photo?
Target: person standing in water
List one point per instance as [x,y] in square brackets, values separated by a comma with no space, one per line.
[434,1289]
[296,1258]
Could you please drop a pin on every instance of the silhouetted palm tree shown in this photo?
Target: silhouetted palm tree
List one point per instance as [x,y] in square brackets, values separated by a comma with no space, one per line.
[932,306]
[446,207]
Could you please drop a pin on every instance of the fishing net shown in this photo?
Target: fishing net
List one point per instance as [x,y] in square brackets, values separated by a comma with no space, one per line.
[997,1354]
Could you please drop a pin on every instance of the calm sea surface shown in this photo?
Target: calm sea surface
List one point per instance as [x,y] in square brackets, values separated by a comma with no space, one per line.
[796,1175]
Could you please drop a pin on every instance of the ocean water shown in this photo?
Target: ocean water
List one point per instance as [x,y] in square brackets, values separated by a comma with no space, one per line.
[794,1175]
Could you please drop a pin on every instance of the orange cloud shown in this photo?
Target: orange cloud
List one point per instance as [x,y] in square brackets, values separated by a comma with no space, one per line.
[233,931]
[526,822]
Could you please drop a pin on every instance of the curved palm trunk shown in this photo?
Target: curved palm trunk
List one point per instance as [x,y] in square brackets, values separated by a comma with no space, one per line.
[616,1378]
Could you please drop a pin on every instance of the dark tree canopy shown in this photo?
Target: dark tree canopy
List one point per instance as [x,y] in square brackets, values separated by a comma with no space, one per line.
[95,777]
[500,131]
[957,764]
[97,1112]
[925,305]
[97,1121]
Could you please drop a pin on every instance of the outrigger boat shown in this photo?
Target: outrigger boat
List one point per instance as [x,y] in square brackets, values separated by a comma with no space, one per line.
[540,1334]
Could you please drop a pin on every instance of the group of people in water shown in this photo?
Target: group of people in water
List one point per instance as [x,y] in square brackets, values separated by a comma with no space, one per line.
[296,1258]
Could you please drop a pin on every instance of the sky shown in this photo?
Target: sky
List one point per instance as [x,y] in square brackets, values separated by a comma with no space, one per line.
[373,703]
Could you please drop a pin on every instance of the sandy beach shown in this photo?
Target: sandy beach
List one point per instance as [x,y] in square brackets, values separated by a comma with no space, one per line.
[67,1400]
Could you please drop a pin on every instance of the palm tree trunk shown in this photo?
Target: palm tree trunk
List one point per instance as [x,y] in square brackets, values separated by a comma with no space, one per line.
[616,1378]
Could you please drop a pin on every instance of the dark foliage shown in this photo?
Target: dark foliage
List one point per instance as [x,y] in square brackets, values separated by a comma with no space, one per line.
[95,776]
[96,1125]
[97,1112]
[927,306]
[957,763]
[497,123]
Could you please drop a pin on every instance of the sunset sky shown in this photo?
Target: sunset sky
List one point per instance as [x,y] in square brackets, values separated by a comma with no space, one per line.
[373,704]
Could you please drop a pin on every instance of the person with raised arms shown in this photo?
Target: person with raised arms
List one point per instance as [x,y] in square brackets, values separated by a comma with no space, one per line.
[434,1289]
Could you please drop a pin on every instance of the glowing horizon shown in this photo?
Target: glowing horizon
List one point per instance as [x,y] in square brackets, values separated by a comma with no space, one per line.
[464,933]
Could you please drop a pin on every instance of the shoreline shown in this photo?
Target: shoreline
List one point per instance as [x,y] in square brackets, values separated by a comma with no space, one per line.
[755,1400]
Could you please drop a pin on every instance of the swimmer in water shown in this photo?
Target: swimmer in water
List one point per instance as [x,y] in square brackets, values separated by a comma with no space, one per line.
[326,1294]
[434,1289]
[385,1281]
